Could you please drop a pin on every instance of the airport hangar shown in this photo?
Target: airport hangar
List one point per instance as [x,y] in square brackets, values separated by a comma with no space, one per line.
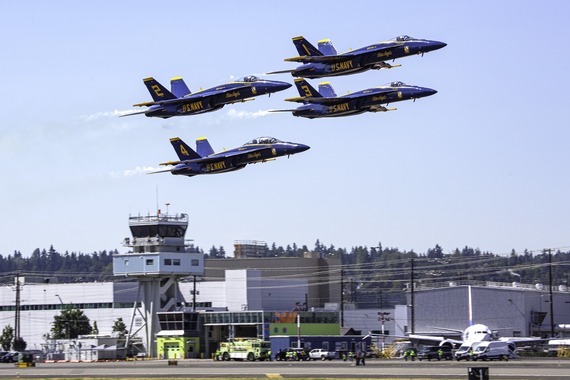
[513,309]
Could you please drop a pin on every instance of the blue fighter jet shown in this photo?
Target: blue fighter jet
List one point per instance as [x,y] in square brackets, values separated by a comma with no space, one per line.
[326,62]
[180,101]
[205,161]
[325,103]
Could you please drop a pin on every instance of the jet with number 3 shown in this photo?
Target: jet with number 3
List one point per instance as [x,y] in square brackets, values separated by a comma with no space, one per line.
[205,161]
[324,61]
[180,101]
[325,102]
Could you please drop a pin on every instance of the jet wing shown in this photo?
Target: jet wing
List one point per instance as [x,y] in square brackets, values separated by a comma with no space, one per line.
[320,58]
[339,99]
[433,339]
[339,57]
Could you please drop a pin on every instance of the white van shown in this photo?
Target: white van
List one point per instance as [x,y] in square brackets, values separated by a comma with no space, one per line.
[464,351]
[494,351]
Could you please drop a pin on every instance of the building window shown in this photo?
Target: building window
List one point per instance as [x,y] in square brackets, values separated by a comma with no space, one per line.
[167,262]
[195,262]
[149,262]
[176,261]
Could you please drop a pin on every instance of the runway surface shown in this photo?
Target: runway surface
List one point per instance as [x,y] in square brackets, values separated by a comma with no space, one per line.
[550,369]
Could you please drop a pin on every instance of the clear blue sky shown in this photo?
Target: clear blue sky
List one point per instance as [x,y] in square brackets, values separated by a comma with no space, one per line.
[483,163]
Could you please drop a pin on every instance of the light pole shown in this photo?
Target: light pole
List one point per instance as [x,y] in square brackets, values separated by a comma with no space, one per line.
[383,317]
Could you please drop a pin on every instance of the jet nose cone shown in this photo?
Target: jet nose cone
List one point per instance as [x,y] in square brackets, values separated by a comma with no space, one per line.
[434,45]
[429,91]
[301,148]
[279,86]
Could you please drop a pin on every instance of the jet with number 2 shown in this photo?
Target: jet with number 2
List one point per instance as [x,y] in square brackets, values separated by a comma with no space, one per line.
[326,62]
[325,102]
[205,161]
[180,101]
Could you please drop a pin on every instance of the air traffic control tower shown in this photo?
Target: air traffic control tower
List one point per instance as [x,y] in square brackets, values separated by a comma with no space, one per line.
[158,260]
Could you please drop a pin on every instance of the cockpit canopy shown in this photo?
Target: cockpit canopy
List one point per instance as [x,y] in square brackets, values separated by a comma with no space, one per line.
[398,84]
[263,140]
[248,78]
[403,38]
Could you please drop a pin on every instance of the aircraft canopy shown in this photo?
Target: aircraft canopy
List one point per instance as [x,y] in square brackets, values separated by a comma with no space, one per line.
[263,140]
[248,78]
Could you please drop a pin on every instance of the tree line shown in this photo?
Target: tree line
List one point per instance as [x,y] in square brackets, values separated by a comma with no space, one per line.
[373,276]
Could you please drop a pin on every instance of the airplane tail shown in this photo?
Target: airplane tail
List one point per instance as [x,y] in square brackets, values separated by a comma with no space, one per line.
[305,89]
[182,149]
[304,47]
[203,147]
[178,87]
[326,90]
[326,47]
[157,91]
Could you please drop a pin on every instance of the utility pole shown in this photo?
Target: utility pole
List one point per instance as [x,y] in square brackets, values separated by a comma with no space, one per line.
[17,313]
[550,292]
[412,300]
[341,297]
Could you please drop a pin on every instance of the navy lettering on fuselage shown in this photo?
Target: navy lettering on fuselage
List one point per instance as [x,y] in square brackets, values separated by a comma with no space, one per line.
[215,166]
[339,108]
[341,66]
[192,107]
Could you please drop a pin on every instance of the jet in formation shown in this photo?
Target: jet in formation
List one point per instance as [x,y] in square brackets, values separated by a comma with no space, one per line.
[205,161]
[325,102]
[180,101]
[324,61]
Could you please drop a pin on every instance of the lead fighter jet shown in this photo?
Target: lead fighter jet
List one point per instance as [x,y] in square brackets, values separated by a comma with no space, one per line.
[181,101]
[325,103]
[205,161]
[326,62]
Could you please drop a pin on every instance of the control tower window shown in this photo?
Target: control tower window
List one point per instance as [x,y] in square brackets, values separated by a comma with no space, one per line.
[158,230]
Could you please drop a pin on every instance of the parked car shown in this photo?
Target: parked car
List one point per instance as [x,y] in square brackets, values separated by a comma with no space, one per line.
[435,352]
[319,353]
[292,354]
[10,357]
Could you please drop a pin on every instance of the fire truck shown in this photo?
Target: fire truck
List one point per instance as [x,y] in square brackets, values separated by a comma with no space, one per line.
[245,349]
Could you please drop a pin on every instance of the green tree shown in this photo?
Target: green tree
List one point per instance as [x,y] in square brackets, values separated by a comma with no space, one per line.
[120,327]
[7,337]
[19,344]
[70,323]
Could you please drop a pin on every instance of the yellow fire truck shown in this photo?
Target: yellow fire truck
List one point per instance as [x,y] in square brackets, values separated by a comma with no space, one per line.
[245,349]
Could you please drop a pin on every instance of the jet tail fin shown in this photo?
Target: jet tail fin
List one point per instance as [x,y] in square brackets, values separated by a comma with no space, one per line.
[306,91]
[305,88]
[178,87]
[326,90]
[157,91]
[203,147]
[182,149]
[304,47]
[326,47]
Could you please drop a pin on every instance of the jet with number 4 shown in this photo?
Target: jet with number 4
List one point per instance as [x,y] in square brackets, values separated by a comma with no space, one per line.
[180,101]
[325,102]
[324,61]
[205,161]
